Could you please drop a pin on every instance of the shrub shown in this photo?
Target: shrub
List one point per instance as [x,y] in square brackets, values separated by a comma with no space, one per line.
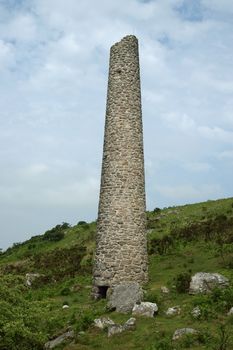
[182,282]
[160,246]
[82,223]
[221,218]
[65,291]
[52,262]
[84,320]
[152,297]
[157,210]
[55,234]
[222,298]
[162,342]
[224,340]
[22,323]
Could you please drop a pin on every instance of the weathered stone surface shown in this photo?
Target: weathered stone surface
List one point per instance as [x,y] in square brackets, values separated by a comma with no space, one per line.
[103,322]
[130,324]
[196,312]
[183,331]
[203,282]
[124,296]
[173,311]
[30,278]
[230,312]
[121,244]
[164,290]
[115,329]
[145,309]
[55,342]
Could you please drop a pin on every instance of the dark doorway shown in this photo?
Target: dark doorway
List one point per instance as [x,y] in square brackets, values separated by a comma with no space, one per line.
[102,291]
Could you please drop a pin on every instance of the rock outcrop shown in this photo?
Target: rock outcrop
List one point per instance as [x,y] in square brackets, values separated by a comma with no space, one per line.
[179,333]
[173,311]
[124,296]
[59,340]
[203,282]
[145,309]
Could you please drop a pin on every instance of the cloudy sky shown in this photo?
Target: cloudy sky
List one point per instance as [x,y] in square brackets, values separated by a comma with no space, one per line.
[53,66]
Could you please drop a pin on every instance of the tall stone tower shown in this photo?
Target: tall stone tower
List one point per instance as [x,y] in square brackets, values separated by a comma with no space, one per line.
[121,245]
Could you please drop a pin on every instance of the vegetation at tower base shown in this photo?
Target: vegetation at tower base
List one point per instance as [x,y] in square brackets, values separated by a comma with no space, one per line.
[181,241]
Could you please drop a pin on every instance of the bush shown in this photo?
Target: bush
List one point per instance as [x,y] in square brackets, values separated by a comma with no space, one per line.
[82,223]
[224,340]
[65,291]
[157,210]
[182,282]
[52,263]
[85,319]
[152,297]
[160,246]
[21,322]
[222,298]
[162,342]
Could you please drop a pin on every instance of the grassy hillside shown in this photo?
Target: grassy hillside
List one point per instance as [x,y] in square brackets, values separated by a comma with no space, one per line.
[181,241]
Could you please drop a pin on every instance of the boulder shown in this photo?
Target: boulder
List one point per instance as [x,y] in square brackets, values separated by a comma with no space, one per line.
[124,296]
[145,309]
[164,290]
[230,312]
[57,341]
[173,311]
[196,312]
[103,322]
[203,282]
[130,325]
[30,278]
[115,329]
[183,331]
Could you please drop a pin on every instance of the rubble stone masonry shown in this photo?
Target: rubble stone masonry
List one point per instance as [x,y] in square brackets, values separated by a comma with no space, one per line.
[121,245]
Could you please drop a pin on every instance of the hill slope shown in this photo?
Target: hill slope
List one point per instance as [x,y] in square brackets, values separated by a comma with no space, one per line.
[181,241]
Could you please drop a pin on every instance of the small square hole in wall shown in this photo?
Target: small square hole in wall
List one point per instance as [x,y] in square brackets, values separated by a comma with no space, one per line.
[102,291]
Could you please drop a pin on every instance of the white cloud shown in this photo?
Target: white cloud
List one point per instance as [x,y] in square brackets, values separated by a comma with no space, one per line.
[216,134]
[225,155]
[21,27]
[35,169]
[190,193]
[180,122]
[6,54]
[219,6]
[198,167]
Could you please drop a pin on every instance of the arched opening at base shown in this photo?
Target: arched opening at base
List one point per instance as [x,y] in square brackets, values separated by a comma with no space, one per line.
[102,292]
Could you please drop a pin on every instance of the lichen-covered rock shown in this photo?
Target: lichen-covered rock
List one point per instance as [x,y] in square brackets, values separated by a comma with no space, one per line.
[30,278]
[173,311]
[103,322]
[115,329]
[124,296]
[203,282]
[164,290]
[196,312]
[145,309]
[130,324]
[55,342]
[183,331]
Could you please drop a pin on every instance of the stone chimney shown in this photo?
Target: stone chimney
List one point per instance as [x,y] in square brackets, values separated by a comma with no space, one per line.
[121,244]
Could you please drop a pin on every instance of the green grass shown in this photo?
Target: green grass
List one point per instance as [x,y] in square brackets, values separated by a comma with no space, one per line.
[189,249]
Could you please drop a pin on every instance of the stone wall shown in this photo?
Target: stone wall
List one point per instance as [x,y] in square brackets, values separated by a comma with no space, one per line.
[121,246]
